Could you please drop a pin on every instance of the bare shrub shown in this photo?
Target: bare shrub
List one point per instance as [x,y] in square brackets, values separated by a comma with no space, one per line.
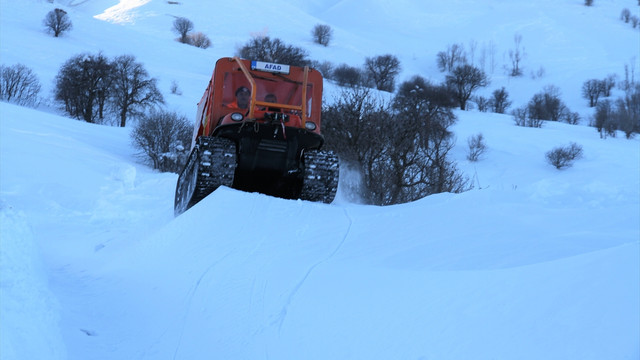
[199,40]
[19,85]
[382,70]
[57,21]
[182,26]
[322,34]
[163,138]
[564,156]
[477,147]
[263,48]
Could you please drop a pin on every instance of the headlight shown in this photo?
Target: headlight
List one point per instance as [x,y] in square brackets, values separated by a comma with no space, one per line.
[236,116]
[310,126]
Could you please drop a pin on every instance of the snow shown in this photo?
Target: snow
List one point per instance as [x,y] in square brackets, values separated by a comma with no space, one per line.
[533,263]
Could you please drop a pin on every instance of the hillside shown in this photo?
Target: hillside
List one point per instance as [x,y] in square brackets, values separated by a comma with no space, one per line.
[532,263]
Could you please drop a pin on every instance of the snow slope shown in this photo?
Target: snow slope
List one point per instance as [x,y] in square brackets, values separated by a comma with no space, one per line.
[533,263]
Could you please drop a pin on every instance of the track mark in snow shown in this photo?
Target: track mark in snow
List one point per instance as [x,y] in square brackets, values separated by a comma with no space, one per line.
[190,297]
[283,313]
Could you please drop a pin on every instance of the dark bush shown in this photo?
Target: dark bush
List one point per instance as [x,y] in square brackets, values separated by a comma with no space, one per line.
[346,75]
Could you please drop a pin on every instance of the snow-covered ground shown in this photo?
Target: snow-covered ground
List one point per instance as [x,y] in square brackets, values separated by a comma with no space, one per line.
[533,263]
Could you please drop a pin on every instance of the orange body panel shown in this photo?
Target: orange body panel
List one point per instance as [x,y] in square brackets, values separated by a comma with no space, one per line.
[298,94]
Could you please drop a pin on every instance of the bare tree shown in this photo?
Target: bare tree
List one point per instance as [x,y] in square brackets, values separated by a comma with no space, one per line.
[57,21]
[607,84]
[163,138]
[588,2]
[500,101]
[604,119]
[382,70]
[182,26]
[464,80]
[262,48]
[19,85]
[516,55]
[627,112]
[83,84]
[322,34]
[133,90]
[591,90]
[453,56]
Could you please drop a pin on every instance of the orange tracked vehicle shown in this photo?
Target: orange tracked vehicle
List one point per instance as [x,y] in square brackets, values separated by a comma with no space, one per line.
[258,129]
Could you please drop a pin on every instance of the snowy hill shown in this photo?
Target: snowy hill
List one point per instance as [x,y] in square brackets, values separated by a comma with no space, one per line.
[533,263]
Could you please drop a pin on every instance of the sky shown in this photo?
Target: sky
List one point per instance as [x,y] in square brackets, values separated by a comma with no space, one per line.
[532,263]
